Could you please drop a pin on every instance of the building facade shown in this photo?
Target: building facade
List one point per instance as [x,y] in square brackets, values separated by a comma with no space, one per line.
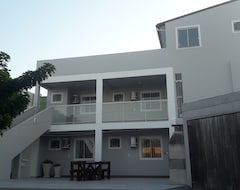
[121,116]
[121,107]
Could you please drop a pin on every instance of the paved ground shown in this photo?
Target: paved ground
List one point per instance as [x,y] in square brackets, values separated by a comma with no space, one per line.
[112,184]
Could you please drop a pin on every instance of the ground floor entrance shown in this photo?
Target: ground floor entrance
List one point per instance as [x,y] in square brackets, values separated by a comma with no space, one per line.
[132,153]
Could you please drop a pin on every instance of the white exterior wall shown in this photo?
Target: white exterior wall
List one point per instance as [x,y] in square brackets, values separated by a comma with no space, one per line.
[207,69]
[99,126]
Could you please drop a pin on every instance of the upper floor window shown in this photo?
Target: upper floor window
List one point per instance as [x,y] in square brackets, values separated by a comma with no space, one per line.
[151,101]
[57,97]
[88,104]
[118,97]
[236,26]
[188,37]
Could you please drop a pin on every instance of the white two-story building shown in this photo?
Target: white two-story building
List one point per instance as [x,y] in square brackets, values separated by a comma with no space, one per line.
[121,107]
[106,109]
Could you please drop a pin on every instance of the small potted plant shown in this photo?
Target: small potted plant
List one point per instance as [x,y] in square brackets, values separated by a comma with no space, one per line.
[47,166]
[57,170]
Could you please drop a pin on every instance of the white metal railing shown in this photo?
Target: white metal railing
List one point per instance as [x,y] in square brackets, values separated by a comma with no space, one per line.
[147,110]
[74,114]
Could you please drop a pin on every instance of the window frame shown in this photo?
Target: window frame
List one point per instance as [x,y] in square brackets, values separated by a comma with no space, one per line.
[74,149]
[150,137]
[50,144]
[109,143]
[142,101]
[118,93]
[56,93]
[233,29]
[82,104]
[188,27]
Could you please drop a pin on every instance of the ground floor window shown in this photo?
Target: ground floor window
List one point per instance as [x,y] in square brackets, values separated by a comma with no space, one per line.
[54,144]
[84,148]
[114,143]
[151,147]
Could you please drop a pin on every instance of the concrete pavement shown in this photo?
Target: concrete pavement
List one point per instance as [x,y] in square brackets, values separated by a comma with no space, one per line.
[112,184]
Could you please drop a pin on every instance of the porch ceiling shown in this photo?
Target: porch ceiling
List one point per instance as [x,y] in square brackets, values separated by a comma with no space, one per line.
[135,81]
[73,85]
[69,133]
[112,84]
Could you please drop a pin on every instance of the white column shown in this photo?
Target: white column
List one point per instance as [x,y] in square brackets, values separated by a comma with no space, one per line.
[36,95]
[171,131]
[98,130]
[98,144]
[171,97]
[99,100]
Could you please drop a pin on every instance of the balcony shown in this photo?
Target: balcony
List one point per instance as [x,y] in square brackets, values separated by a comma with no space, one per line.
[128,111]
[148,110]
[74,114]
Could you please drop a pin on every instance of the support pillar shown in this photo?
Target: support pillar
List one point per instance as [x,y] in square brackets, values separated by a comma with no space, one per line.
[171,97]
[98,144]
[98,130]
[99,100]
[37,95]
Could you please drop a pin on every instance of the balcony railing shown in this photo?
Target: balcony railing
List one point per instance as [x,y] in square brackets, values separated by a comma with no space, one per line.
[148,110]
[74,114]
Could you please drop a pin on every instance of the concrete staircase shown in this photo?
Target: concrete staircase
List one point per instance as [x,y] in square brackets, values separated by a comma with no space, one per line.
[17,138]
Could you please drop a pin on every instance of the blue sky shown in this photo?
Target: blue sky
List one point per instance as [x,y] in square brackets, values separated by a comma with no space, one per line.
[34,30]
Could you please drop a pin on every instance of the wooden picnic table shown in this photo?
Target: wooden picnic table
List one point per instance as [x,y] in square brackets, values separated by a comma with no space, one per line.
[86,170]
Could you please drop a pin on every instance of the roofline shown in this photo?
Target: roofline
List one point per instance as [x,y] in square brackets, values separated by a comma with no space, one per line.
[214,6]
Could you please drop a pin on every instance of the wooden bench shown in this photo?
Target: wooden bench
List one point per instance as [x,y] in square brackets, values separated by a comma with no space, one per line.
[77,170]
[106,169]
[82,170]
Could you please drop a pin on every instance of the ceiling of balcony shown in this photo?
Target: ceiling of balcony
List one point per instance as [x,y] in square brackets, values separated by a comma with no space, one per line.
[135,82]
[72,85]
[116,83]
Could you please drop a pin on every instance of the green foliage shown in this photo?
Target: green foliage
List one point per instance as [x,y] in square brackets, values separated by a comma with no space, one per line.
[13,92]
[4,59]
[43,102]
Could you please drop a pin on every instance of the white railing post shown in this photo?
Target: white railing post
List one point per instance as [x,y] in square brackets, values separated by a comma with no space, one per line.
[123,112]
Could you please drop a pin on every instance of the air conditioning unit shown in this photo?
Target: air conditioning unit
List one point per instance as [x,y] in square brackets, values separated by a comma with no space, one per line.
[66,143]
[133,95]
[133,142]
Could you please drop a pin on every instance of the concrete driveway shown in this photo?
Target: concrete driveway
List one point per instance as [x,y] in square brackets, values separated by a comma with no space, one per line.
[112,184]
